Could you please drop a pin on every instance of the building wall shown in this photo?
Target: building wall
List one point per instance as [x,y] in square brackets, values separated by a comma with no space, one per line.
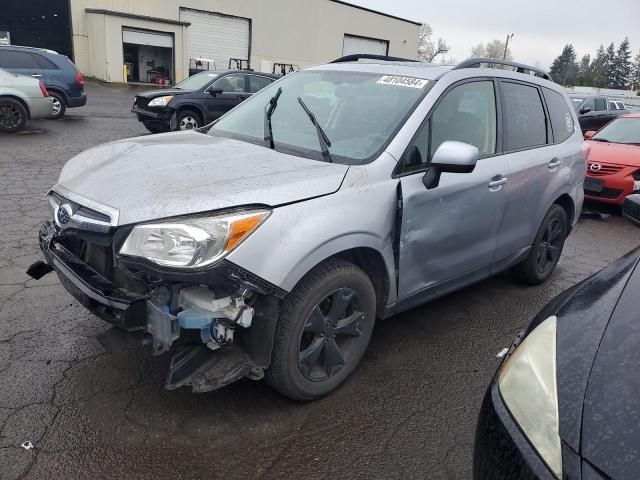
[301,32]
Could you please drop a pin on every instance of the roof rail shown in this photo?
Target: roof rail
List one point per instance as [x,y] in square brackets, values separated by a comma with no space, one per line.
[519,67]
[358,56]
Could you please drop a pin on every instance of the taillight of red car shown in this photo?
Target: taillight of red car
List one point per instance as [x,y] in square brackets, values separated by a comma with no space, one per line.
[43,89]
[80,79]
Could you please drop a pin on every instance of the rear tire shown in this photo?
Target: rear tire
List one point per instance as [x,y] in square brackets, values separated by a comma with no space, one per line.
[188,120]
[13,115]
[324,329]
[546,249]
[59,105]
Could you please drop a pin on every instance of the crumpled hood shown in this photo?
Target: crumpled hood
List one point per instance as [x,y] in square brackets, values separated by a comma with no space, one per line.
[159,176]
[616,153]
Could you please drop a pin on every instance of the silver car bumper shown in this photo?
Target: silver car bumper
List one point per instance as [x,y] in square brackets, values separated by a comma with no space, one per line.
[40,107]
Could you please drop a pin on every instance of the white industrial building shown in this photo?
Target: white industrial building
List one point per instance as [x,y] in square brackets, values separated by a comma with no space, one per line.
[141,40]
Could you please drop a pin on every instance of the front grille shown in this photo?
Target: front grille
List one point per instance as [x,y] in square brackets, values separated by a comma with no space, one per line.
[82,217]
[141,102]
[98,256]
[604,169]
[605,193]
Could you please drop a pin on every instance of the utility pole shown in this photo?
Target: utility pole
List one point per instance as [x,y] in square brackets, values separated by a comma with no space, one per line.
[506,46]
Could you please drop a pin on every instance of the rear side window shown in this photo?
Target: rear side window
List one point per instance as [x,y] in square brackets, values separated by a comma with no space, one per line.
[525,121]
[257,83]
[44,63]
[13,59]
[561,119]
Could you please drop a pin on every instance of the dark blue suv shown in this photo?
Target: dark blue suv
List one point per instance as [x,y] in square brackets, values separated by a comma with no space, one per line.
[61,77]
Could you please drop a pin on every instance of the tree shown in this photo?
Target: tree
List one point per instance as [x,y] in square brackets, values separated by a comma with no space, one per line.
[622,66]
[427,49]
[565,68]
[610,58]
[585,74]
[635,74]
[493,49]
[599,69]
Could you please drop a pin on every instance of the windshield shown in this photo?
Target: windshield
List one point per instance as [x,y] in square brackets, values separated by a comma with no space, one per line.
[197,82]
[622,130]
[577,102]
[359,113]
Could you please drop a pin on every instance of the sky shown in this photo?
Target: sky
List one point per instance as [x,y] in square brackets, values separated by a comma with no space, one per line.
[541,28]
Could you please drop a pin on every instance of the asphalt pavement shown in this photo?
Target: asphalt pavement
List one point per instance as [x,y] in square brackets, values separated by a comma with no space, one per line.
[409,410]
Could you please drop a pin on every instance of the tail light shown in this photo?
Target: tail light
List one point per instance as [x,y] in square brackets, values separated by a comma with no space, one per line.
[80,79]
[43,89]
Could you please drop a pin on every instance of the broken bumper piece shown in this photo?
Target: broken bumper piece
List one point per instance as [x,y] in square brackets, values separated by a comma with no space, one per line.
[206,358]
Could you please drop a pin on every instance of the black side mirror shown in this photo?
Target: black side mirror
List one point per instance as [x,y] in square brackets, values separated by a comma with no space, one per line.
[215,91]
[631,209]
[585,110]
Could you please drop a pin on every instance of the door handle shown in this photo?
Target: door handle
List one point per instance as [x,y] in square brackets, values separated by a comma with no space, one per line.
[35,75]
[497,182]
[554,164]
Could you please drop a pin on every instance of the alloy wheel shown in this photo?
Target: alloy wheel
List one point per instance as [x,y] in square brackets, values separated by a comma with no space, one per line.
[57,106]
[330,333]
[550,246]
[10,116]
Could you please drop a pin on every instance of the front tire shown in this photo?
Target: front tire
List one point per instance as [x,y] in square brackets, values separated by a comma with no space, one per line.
[324,329]
[546,249]
[13,115]
[59,105]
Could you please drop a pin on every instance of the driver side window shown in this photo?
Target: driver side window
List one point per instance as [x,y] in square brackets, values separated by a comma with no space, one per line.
[467,114]
[230,84]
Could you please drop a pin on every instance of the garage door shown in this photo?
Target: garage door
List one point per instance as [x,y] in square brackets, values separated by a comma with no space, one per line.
[354,44]
[218,37]
[152,39]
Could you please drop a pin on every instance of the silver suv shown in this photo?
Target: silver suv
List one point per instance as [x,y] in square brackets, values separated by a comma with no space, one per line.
[268,243]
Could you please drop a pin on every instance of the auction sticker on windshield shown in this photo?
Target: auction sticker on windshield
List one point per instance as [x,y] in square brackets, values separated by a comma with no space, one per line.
[403,81]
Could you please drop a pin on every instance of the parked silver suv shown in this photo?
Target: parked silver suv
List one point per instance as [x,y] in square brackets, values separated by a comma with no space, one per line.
[268,243]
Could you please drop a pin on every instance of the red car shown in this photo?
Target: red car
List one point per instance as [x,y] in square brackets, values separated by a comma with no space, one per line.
[613,157]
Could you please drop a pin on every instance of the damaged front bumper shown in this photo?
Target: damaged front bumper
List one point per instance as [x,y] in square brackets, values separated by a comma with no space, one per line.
[210,328]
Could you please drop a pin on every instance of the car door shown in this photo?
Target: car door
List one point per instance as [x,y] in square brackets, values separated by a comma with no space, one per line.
[225,93]
[538,165]
[21,63]
[597,115]
[449,233]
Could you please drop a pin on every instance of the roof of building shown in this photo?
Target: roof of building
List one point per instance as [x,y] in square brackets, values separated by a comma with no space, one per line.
[376,12]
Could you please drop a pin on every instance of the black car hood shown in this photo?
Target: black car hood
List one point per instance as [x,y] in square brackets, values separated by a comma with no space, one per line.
[583,315]
[611,419]
[161,92]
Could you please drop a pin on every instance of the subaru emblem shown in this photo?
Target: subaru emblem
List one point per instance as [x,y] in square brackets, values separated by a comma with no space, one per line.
[63,215]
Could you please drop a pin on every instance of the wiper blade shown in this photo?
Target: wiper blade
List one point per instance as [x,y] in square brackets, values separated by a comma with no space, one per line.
[268,113]
[599,140]
[325,143]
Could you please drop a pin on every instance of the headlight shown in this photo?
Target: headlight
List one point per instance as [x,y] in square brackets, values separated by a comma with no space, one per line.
[527,384]
[191,242]
[160,101]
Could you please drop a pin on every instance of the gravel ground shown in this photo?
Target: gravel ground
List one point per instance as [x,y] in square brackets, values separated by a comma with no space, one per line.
[409,411]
